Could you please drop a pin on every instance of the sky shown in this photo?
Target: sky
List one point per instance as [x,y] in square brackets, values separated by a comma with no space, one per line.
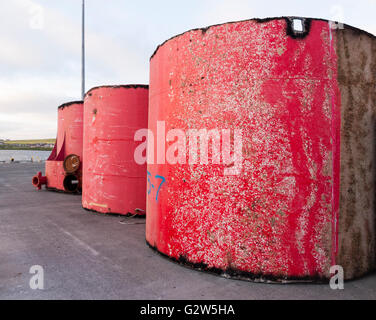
[40,52]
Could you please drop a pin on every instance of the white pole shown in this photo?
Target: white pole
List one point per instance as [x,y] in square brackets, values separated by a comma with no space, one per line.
[83,51]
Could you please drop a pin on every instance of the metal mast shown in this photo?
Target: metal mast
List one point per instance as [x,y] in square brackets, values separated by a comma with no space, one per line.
[83,52]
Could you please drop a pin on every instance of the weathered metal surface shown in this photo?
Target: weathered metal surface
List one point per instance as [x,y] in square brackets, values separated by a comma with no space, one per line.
[113,182]
[55,175]
[72,183]
[357,82]
[277,219]
[70,129]
[39,180]
[71,163]
[69,141]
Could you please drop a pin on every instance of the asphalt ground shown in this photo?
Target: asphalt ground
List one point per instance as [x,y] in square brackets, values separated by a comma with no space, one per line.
[91,256]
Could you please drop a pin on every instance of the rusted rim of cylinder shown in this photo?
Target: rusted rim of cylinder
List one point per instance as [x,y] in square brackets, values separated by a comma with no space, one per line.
[124,86]
[71,163]
[38,180]
[139,214]
[288,19]
[235,274]
[68,104]
[35,181]
[71,183]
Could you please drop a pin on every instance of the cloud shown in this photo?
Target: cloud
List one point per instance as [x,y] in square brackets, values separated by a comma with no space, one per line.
[40,54]
[28,105]
[221,11]
[40,65]
[12,54]
[21,92]
[27,125]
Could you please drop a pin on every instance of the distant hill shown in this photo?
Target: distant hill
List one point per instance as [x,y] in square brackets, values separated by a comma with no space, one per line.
[35,144]
[39,141]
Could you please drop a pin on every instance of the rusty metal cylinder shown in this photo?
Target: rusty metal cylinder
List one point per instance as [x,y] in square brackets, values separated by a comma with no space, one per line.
[38,180]
[69,141]
[71,183]
[72,163]
[283,193]
[113,182]
[70,129]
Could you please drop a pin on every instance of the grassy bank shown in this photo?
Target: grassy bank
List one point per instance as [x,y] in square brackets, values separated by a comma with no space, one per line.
[31,142]
[10,147]
[36,145]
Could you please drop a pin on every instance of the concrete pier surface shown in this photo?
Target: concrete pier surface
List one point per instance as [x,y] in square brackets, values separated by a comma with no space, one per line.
[91,256]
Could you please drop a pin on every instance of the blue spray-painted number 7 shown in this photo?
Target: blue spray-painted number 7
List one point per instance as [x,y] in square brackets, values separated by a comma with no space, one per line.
[160,186]
[149,182]
[151,185]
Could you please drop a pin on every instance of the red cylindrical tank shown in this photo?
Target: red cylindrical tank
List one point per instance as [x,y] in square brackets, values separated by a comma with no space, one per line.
[68,142]
[270,91]
[70,129]
[113,182]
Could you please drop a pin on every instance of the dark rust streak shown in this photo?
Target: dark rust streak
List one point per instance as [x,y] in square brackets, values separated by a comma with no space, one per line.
[258,20]
[68,104]
[124,86]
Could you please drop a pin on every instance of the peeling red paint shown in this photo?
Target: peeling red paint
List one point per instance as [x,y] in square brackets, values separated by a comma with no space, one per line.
[113,182]
[68,141]
[276,218]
